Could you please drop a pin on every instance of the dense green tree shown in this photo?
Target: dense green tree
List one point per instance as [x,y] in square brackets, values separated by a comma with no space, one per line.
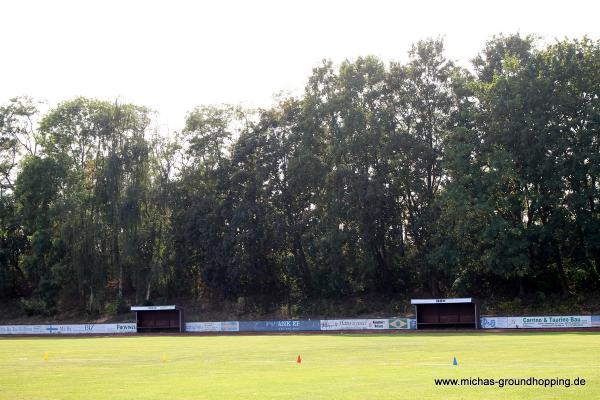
[424,99]
[39,207]
[413,178]
[520,168]
[104,150]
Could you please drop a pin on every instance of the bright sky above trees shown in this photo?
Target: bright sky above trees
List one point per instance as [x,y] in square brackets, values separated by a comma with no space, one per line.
[174,55]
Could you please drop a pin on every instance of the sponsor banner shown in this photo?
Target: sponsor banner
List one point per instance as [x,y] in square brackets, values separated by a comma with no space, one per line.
[494,322]
[399,323]
[354,324]
[413,323]
[277,326]
[203,327]
[76,329]
[595,320]
[224,326]
[230,326]
[571,321]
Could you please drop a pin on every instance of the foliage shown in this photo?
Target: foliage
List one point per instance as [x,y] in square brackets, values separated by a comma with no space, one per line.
[414,178]
[35,306]
[115,307]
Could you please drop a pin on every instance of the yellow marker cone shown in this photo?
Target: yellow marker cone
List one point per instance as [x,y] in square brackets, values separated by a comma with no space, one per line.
[164,358]
[46,356]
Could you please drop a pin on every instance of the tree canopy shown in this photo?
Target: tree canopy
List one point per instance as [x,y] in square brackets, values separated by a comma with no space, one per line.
[413,178]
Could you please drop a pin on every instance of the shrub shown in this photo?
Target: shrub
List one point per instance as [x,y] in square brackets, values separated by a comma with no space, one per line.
[115,307]
[35,306]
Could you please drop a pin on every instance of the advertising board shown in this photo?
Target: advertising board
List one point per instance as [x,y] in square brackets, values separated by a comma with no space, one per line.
[354,324]
[569,321]
[494,322]
[277,326]
[223,326]
[399,323]
[68,329]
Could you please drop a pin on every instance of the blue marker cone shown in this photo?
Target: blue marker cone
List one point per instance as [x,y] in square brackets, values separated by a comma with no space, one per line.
[454,362]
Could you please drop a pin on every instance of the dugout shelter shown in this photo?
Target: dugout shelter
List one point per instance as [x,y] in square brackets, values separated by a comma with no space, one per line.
[456,313]
[159,318]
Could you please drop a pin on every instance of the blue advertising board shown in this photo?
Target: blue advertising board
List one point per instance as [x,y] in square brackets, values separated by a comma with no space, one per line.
[595,320]
[279,326]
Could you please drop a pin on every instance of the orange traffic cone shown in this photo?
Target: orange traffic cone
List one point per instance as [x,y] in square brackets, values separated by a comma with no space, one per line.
[299,359]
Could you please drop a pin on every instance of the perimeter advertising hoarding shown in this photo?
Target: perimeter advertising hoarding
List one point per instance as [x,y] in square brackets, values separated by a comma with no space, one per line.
[73,329]
[354,324]
[537,322]
[494,322]
[399,323]
[224,326]
[570,321]
[596,320]
[277,326]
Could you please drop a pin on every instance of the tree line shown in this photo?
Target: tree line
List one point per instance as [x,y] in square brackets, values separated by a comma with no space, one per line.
[399,179]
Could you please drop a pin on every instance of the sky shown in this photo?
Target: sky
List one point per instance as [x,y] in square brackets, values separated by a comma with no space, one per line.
[173,55]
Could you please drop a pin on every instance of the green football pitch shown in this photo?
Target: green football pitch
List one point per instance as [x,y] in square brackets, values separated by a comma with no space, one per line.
[342,366]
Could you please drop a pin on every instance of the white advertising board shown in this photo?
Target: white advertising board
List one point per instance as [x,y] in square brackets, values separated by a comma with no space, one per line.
[224,326]
[72,329]
[494,322]
[353,324]
[569,321]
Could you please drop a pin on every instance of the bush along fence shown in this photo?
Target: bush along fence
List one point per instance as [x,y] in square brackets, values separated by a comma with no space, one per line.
[376,324]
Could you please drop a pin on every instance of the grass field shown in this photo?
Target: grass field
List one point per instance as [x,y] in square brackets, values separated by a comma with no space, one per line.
[401,366]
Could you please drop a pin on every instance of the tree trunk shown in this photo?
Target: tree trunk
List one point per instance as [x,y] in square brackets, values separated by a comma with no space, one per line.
[117,262]
[564,283]
[300,257]
[433,282]
[521,287]
[91,301]
[385,276]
